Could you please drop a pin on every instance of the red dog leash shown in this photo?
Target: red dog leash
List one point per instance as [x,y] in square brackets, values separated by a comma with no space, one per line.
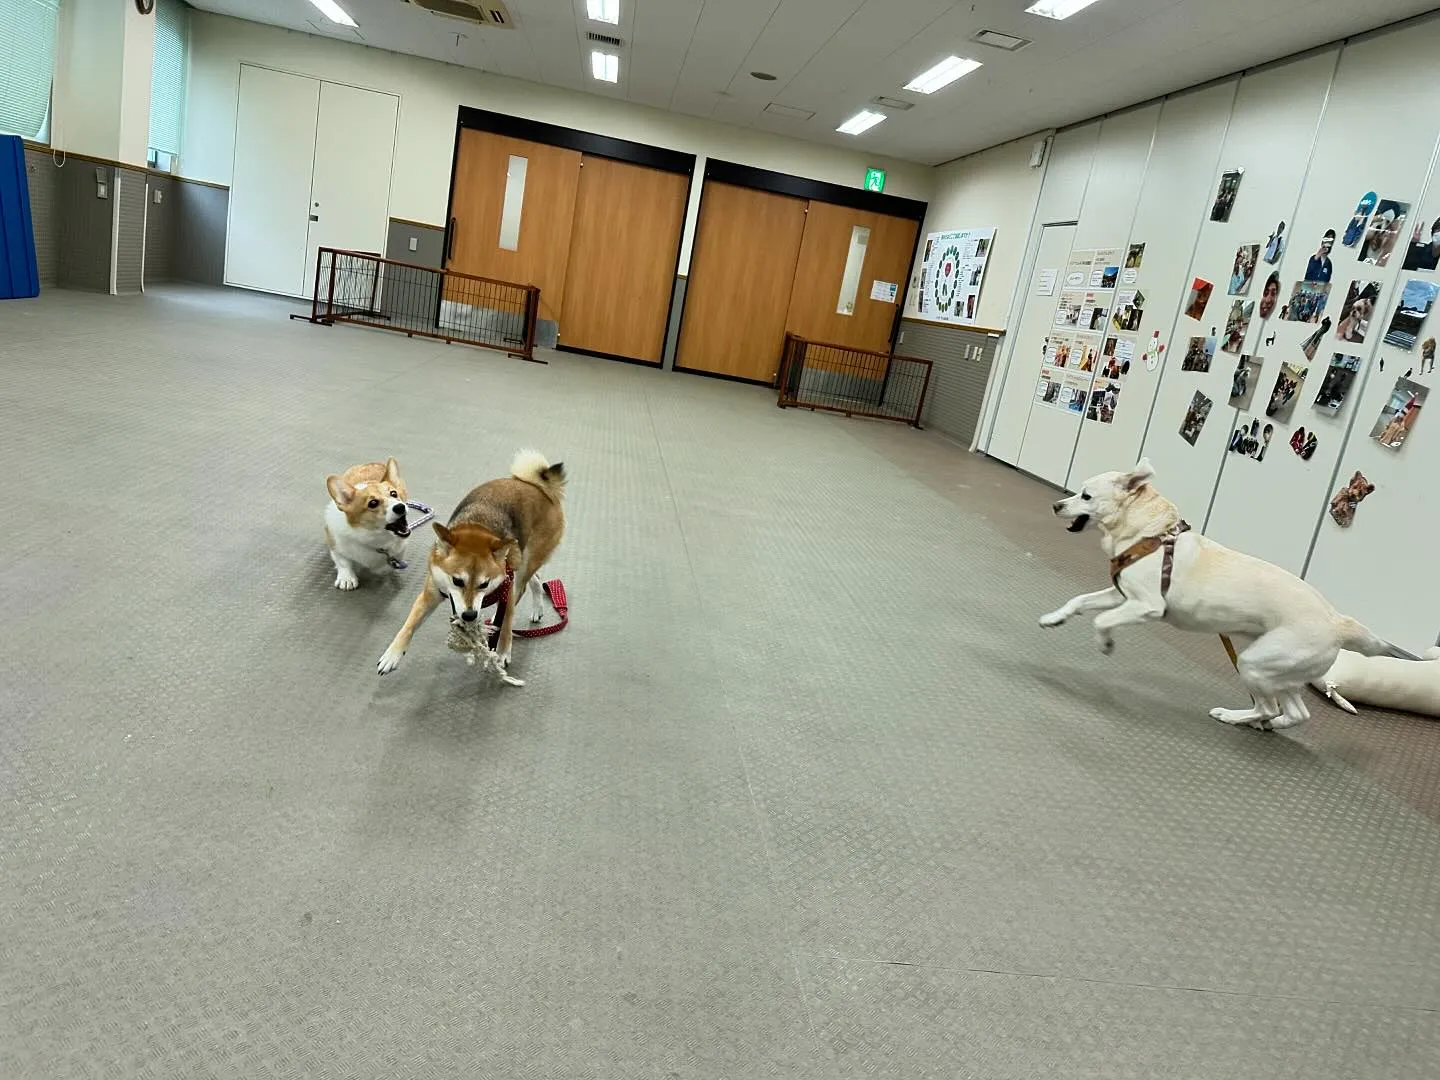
[499,599]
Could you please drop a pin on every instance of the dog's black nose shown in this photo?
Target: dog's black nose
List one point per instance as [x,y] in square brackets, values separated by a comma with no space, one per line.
[1055,506]
[399,509]
[469,616]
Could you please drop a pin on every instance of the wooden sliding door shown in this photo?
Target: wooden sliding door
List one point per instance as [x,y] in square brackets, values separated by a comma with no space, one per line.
[623,248]
[741,274]
[540,183]
[816,299]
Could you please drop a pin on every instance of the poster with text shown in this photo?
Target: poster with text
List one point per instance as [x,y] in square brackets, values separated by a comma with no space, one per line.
[954,271]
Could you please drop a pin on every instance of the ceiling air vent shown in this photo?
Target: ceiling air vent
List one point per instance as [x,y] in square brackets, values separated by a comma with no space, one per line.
[789,112]
[996,40]
[893,104]
[485,12]
[605,39]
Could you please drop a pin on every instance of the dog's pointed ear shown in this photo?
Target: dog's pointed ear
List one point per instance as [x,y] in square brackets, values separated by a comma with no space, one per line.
[1140,475]
[444,534]
[392,472]
[339,490]
[497,544]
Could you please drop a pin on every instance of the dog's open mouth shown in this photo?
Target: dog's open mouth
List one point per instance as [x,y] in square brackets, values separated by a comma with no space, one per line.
[1079,523]
[399,528]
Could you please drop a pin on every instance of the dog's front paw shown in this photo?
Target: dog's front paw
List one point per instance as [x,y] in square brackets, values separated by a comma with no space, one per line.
[346,580]
[1054,618]
[390,661]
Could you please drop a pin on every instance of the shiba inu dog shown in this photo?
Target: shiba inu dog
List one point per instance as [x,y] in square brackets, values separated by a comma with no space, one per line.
[1285,633]
[505,529]
[365,521]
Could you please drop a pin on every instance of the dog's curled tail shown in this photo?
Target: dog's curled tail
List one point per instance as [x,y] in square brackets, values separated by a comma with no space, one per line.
[533,467]
[1357,637]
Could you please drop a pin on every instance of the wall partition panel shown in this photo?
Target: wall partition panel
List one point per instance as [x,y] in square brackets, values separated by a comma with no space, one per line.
[1292,486]
[1111,194]
[1271,133]
[1061,196]
[1174,201]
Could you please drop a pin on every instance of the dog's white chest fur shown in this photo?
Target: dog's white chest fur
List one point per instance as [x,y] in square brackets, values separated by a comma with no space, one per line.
[370,548]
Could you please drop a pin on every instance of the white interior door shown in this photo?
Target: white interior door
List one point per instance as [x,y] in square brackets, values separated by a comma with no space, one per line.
[354,150]
[1037,315]
[270,186]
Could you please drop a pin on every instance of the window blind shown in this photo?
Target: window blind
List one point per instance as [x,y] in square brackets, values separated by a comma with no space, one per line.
[27,64]
[167,79]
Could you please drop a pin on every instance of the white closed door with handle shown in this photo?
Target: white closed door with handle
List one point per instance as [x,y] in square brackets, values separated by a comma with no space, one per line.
[270,185]
[312,170]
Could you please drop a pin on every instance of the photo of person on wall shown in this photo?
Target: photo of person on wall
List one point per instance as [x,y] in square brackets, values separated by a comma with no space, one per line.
[1270,295]
[1319,267]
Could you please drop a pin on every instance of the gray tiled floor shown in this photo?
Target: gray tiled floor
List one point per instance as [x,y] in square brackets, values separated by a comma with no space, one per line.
[803,791]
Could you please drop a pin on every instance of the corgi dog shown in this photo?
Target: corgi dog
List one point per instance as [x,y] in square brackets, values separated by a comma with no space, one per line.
[365,521]
[504,527]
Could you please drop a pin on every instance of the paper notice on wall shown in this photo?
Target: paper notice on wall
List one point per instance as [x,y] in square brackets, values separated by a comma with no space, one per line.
[1105,268]
[954,265]
[1077,268]
[884,291]
[1048,278]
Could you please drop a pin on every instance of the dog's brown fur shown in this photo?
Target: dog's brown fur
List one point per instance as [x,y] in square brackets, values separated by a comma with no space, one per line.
[514,523]
[356,480]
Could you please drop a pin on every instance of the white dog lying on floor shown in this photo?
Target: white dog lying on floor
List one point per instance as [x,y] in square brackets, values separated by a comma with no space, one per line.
[1384,682]
[1285,633]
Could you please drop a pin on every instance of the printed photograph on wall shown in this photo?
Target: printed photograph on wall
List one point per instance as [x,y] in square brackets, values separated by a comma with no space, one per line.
[1047,390]
[1398,417]
[1286,392]
[1424,250]
[1244,381]
[1198,354]
[1225,196]
[1093,311]
[1339,377]
[1304,443]
[1307,301]
[1072,395]
[1416,300]
[1243,272]
[1311,345]
[1275,245]
[1199,296]
[1129,310]
[1344,501]
[1105,270]
[1250,439]
[1360,301]
[1319,267]
[1195,416]
[1383,234]
[1237,324]
[1067,313]
[1134,256]
[1084,353]
[1363,209]
[1427,356]
[1270,294]
[1104,396]
[1057,351]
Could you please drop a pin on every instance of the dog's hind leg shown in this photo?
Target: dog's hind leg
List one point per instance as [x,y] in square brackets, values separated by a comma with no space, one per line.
[1293,710]
[1103,600]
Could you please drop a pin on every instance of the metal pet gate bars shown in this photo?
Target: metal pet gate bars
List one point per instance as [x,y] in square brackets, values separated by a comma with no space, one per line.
[424,301]
[856,382]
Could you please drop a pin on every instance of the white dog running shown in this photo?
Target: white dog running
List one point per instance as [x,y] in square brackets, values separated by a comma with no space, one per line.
[1285,633]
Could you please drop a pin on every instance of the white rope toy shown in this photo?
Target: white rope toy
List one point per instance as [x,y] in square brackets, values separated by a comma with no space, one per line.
[473,640]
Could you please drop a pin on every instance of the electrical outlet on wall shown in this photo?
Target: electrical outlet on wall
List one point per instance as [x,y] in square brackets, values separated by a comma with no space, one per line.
[414,243]
[159,196]
[900,338]
[102,191]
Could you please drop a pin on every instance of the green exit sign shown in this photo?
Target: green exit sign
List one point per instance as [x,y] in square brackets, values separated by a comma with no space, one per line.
[874,179]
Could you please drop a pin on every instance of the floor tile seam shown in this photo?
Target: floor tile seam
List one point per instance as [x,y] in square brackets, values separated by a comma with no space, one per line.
[1084,980]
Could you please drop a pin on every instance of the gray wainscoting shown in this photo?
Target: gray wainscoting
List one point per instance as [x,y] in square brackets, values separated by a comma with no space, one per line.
[160,229]
[41,177]
[129,196]
[84,220]
[201,216]
[963,359]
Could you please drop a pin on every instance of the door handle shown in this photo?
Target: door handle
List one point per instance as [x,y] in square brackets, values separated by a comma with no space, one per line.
[314,217]
[449,242]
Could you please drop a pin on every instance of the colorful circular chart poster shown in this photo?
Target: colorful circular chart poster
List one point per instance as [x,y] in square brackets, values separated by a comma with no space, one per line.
[952,271]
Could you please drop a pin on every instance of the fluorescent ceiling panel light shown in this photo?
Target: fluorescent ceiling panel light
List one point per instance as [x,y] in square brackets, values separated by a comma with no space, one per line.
[860,123]
[605,66]
[606,11]
[334,12]
[1057,9]
[942,74]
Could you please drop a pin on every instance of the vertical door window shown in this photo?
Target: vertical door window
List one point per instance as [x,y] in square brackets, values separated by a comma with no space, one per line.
[514,203]
[854,265]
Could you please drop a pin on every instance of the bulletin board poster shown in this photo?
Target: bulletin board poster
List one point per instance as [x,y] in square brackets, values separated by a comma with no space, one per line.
[952,270]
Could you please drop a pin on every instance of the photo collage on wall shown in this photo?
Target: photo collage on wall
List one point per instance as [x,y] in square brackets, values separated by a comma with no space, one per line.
[952,271]
[1092,343]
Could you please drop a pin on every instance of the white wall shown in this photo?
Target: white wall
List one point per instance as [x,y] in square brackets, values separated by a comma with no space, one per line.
[998,188]
[1296,128]
[430,94]
[102,81]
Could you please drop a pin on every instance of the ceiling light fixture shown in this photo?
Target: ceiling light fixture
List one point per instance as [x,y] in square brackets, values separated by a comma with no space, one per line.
[334,12]
[605,66]
[942,74]
[606,11]
[1057,9]
[860,123]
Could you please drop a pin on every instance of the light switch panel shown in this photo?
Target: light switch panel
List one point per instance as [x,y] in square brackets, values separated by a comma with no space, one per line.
[414,244]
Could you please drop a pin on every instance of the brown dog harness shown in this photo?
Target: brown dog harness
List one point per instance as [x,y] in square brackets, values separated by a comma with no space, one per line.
[1148,546]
